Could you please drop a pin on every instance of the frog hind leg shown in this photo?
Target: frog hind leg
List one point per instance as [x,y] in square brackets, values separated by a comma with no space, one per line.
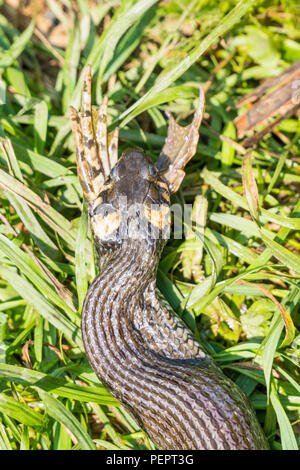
[97,151]
[180,146]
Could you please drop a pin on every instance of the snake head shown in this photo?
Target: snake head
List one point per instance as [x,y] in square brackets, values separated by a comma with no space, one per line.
[133,202]
[128,197]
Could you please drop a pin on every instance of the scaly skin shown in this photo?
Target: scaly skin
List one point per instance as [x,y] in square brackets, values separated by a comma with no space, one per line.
[138,347]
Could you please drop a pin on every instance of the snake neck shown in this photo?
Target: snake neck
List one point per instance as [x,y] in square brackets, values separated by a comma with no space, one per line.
[124,322]
[114,305]
[130,260]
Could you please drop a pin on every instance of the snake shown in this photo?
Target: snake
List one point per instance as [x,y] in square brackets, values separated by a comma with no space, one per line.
[139,348]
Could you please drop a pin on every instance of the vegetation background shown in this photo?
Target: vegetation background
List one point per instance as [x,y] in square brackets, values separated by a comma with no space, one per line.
[236,284]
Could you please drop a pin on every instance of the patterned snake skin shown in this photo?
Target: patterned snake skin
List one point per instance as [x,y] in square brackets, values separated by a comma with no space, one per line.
[139,349]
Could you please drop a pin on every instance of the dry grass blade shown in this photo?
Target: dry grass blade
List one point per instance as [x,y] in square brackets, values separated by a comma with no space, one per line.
[250,187]
[286,317]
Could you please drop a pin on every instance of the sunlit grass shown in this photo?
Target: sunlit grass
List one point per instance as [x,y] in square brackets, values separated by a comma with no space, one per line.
[236,283]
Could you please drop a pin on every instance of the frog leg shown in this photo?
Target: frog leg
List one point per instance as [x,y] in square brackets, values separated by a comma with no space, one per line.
[107,143]
[97,151]
[180,146]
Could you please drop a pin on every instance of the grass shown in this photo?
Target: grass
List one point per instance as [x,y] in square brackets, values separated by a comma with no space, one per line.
[236,283]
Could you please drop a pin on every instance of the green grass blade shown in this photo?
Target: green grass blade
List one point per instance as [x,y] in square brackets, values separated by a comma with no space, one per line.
[34,298]
[286,431]
[10,55]
[167,78]
[57,386]
[60,413]
[21,412]
[80,258]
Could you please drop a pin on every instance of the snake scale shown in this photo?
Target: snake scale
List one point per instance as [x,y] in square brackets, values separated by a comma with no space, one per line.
[140,350]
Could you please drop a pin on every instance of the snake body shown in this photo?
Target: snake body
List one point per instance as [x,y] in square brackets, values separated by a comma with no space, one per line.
[138,347]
